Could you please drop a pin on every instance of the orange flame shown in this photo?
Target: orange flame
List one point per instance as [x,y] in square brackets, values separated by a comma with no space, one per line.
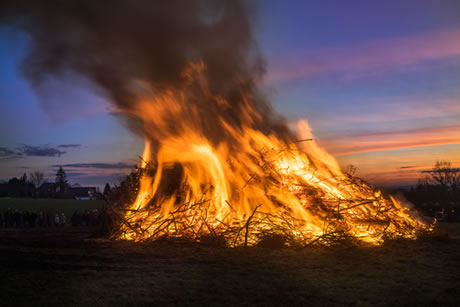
[251,183]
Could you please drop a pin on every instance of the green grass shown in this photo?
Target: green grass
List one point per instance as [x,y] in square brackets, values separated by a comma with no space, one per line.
[66,266]
[52,206]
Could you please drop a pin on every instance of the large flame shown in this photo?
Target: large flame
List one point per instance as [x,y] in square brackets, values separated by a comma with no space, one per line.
[250,184]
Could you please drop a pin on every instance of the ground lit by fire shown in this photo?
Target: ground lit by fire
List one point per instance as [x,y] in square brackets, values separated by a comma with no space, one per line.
[249,185]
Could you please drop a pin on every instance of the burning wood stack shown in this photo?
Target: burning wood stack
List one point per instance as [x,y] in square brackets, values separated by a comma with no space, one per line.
[217,161]
[267,189]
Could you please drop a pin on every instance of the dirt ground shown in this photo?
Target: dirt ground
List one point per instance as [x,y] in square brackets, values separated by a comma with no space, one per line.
[71,267]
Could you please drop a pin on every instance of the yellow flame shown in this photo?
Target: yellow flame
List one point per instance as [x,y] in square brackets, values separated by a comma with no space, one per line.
[288,188]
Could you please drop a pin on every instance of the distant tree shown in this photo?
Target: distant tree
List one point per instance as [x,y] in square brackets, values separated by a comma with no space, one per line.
[18,187]
[23,179]
[444,175]
[37,178]
[107,190]
[14,181]
[438,190]
[61,182]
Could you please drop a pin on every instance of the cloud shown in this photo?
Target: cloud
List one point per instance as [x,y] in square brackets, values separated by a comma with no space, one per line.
[34,151]
[453,170]
[76,174]
[5,152]
[41,151]
[407,166]
[99,165]
[356,147]
[378,57]
[391,140]
[453,129]
[8,154]
[400,108]
[69,146]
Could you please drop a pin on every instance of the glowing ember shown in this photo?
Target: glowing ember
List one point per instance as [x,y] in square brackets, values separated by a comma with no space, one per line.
[249,185]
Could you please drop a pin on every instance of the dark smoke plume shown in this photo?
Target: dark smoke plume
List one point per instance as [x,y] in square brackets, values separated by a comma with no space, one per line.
[116,44]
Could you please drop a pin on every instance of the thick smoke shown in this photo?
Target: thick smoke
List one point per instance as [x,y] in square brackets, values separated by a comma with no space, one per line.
[118,44]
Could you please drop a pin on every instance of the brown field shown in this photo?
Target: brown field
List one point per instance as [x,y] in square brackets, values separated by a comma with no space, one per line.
[72,267]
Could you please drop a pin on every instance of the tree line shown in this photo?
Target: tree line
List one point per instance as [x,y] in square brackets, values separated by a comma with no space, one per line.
[36,185]
[437,193]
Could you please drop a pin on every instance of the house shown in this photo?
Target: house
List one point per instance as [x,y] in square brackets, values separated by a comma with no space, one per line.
[83,193]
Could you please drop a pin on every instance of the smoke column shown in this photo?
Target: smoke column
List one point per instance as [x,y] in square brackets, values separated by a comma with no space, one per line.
[124,46]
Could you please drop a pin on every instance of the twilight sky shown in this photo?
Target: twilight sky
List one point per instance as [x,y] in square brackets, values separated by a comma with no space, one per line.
[378,81]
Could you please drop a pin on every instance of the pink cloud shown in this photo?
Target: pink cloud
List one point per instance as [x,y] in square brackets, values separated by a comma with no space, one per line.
[369,58]
[380,141]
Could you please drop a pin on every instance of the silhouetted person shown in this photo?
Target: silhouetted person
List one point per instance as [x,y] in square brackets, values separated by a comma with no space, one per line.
[62,219]
[56,220]
[86,218]
[33,219]
[17,218]
[41,219]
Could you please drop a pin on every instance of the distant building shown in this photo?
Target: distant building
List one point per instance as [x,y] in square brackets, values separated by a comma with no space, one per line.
[83,193]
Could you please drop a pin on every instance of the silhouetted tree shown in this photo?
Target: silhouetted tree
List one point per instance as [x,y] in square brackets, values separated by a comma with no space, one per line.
[18,187]
[61,182]
[438,190]
[23,179]
[37,178]
[107,190]
[443,175]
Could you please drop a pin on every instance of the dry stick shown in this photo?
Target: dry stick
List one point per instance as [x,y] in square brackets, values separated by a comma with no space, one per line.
[315,240]
[174,220]
[247,226]
[357,205]
[153,222]
[247,182]
[209,227]
[304,140]
[158,229]
[237,236]
[127,224]
[226,201]
[223,223]
[377,211]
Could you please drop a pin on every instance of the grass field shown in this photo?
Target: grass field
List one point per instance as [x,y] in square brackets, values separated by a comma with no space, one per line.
[71,267]
[52,206]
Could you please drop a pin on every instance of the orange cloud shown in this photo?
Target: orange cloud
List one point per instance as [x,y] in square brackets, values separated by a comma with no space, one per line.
[390,140]
[399,167]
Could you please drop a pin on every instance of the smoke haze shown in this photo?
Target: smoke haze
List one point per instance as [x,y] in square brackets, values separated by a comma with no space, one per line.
[124,47]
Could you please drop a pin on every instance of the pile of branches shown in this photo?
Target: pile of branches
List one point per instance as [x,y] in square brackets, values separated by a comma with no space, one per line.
[342,222]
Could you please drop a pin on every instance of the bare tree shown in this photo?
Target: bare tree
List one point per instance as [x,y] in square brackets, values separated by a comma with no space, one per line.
[37,178]
[444,175]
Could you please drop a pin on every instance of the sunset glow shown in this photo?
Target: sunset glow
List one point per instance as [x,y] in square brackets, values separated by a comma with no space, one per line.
[381,93]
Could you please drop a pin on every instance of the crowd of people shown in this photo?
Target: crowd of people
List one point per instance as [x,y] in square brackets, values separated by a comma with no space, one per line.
[87,218]
[25,219]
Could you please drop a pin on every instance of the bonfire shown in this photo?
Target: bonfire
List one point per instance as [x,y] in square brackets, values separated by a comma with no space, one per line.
[217,161]
[253,183]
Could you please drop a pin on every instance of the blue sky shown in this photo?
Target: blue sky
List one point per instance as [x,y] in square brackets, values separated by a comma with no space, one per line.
[378,81]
